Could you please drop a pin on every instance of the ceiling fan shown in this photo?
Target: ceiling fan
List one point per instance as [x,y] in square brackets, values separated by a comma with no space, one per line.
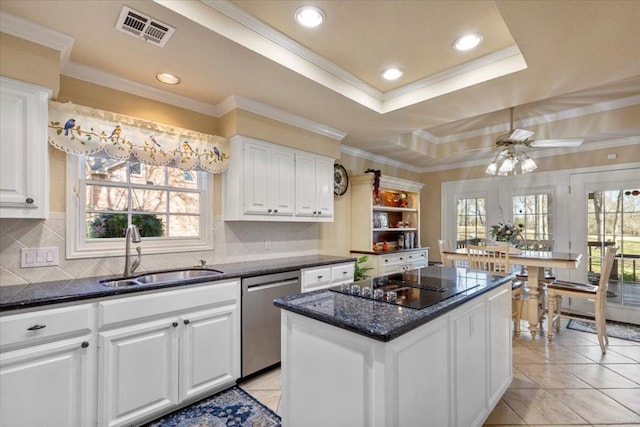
[521,137]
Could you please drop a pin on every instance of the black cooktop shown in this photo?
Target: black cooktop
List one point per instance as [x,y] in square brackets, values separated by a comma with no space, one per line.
[412,289]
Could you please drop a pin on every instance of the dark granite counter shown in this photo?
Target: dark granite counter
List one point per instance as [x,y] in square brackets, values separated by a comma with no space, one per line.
[38,294]
[380,320]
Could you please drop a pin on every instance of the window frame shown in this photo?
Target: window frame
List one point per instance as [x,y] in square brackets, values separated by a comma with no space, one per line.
[79,246]
[536,191]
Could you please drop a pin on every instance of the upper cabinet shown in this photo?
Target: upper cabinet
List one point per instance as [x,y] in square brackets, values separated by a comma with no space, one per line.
[24,159]
[314,186]
[269,182]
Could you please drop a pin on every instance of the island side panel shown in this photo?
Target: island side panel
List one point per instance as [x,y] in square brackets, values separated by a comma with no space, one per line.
[327,375]
[500,349]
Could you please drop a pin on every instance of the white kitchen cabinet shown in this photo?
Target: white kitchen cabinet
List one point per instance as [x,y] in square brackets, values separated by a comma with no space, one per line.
[269,173]
[436,374]
[47,368]
[24,158]
[470,341]
[151,362]
[314,186]
[269,182]
[322,277]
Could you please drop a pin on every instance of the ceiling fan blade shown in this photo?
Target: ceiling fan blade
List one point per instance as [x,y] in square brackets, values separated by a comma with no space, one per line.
[568,142]
[520,135]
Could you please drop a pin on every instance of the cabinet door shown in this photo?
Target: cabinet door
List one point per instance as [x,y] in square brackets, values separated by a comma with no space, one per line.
[281,183]
[210,351]
[49,385]
[324,187]
[138,371]
[499,306]
[256,178]
[24,159]
[305,185]
[470,341]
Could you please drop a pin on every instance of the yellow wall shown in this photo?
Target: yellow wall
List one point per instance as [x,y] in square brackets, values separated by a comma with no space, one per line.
[29,62]
[431,193]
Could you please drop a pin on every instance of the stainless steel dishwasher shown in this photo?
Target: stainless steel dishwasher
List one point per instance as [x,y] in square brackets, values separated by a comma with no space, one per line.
[261,319]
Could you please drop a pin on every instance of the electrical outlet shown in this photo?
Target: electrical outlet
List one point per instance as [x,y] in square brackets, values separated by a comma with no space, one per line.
[267,244]
[38,257]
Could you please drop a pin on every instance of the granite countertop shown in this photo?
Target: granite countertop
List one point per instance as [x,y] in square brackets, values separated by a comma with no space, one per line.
[380,320]
[39,294]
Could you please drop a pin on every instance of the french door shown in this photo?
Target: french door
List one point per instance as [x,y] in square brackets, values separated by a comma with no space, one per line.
[605,211]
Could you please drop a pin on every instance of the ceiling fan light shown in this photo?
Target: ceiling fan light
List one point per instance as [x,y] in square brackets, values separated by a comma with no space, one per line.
[507,166]
[528,165]
[520,135]
[492,169]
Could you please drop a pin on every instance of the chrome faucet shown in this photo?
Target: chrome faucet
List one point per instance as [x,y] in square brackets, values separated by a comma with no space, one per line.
[131,235]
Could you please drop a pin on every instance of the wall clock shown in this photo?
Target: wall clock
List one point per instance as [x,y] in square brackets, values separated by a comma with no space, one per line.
[340,180]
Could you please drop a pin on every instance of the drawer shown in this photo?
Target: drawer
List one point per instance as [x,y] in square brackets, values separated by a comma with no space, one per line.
[416,257]
[393,259]
[313,277]
[37,326]
[390,269]
[342,272]
[167,302]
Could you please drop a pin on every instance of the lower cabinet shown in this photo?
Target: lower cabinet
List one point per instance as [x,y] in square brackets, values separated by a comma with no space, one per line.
[150,366]
[47,368]
[315,278]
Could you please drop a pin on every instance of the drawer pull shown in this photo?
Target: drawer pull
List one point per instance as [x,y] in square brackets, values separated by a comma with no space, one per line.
[275,211]
[269,211]
[186,321]
[84,344]
[315,213]
[174,324]
[401,258]
[345,272]
[320,276]
[29,201]
[36,327]
[386,260]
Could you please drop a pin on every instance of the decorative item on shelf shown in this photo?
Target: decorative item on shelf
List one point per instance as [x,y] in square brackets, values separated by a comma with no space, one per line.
[385,246]
[376,184]
[380,220]
[340,180]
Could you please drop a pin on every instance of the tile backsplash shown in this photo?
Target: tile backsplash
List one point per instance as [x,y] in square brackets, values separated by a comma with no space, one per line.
[233,241]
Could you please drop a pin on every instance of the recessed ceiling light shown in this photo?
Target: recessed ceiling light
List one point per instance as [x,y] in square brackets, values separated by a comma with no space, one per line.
[309,16]
[467,42]
[168,78]
[392,73]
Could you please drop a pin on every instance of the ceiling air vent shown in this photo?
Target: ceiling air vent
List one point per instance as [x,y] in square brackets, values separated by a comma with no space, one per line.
[144,27]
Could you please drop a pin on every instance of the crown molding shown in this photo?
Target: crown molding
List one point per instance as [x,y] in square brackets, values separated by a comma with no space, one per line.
[238,102]
[92,75]
[36,33]
[356,152]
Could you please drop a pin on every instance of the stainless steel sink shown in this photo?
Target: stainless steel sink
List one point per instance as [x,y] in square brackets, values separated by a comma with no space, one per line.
[176,276]
[161,277]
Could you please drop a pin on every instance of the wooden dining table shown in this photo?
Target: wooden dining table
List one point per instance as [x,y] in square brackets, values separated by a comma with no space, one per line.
[535,262]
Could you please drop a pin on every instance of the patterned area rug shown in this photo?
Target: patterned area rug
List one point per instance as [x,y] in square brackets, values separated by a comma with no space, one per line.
[625,331]
[231,408]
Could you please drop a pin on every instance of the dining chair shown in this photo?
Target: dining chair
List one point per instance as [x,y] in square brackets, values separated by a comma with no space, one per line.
[597,293]
[444,245]
[495,259]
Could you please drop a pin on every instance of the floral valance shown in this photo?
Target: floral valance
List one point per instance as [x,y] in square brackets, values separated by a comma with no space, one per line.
[82,130]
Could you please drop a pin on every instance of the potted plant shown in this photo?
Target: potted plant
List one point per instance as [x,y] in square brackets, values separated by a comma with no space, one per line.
[359,273]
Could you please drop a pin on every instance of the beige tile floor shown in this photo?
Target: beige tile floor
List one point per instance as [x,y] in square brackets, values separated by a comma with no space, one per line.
[565,382]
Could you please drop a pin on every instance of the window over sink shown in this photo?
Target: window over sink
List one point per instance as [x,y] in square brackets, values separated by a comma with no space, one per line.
[171,207]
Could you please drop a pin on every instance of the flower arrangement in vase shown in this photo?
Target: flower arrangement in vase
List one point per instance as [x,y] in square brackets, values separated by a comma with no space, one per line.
[508,232]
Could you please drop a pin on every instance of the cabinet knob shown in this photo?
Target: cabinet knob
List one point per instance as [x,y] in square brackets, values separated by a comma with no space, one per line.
[269,211]
[186,321]
[386,260]
[320,276]
[174,324]
[319,212]
[345,272]
[315,213]
[36,327]
[401,258]
[29,201]
[275,211]
[84,344]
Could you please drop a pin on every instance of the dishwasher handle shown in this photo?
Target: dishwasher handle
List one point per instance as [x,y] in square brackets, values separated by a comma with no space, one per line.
[276,284]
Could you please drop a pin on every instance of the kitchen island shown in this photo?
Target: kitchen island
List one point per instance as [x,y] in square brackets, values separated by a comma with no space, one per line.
[353,361]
